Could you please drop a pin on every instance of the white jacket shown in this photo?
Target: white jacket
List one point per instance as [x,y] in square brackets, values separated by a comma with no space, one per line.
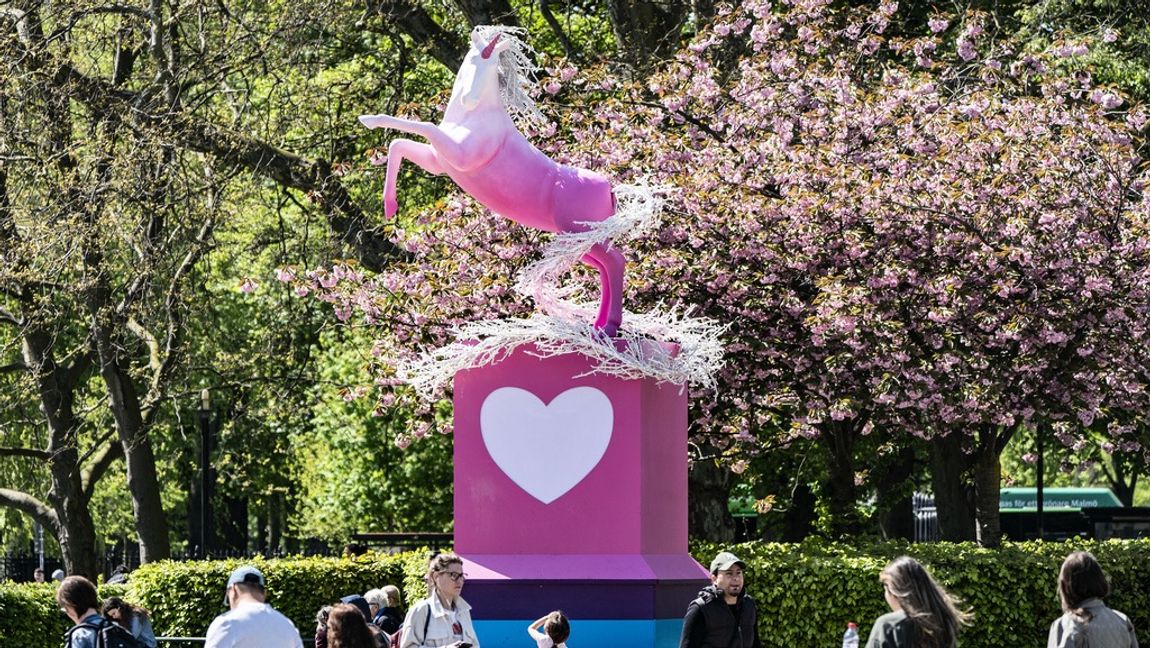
[439,631]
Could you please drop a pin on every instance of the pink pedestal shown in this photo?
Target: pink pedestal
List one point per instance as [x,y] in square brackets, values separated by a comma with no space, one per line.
[633,501]
[569,487]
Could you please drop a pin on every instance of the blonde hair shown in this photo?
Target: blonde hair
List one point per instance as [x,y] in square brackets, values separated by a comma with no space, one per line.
[933,613]
[439,563]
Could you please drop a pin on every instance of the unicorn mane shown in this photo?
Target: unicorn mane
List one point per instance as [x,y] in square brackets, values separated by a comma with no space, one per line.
[517,71]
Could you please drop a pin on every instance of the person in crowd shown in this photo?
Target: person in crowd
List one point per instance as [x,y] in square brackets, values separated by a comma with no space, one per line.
[132,618]
[385,608]
[58,575]
[77,598]
[118,575]
[347,628]
[360,603]
[250,622]
[38,575]
[550,631]
[723,615]
[321,618]
[923,614]
[443,618]
[1086,621]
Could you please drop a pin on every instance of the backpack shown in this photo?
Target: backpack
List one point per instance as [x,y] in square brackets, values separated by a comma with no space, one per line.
[108,635]
[397,638]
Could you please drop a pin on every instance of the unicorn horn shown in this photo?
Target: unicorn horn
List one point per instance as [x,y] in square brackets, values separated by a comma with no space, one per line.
[486,53]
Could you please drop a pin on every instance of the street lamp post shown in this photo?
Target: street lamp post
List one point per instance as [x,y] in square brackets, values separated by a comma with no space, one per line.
[205,472]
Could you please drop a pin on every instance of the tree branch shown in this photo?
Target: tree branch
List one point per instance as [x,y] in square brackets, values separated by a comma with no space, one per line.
[14,367]
[374,250]
[124,10]
[443,45]
[29,453]
[102,460]
[33,507]
[549,17]
[9,317]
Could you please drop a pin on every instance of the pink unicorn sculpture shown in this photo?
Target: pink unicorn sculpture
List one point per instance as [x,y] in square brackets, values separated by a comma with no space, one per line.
[479,146]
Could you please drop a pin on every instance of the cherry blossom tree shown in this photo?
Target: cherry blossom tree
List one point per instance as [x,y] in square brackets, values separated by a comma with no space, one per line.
[942,236]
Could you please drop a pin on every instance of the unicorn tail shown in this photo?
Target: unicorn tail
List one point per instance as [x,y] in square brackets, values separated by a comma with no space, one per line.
[638,210]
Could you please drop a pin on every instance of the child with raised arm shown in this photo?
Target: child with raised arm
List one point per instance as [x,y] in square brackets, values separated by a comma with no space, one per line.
[555,632]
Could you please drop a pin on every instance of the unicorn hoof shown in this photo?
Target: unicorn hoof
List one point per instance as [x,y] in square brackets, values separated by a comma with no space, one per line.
[371,121]
[609,330]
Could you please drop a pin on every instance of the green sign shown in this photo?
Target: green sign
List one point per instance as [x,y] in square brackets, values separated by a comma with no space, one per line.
[1026,499]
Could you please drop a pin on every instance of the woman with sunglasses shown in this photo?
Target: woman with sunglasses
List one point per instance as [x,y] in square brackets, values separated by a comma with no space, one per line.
[923,614]
[443,618]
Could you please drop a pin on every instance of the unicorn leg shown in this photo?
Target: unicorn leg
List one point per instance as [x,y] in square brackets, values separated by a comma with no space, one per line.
[610,263]
[422,154]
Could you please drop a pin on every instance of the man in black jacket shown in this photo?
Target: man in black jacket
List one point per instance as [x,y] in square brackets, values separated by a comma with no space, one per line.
[723,616]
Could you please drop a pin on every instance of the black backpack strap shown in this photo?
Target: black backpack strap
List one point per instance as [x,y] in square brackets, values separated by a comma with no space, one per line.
[91,626]
[426,622]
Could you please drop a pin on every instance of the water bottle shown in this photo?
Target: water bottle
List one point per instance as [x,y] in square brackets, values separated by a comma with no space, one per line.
[851,636]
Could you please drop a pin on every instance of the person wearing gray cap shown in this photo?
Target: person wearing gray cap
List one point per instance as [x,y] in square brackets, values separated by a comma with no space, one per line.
[723,615]
[250,622]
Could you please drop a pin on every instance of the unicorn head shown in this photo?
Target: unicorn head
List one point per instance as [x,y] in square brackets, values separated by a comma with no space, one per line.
[498,65]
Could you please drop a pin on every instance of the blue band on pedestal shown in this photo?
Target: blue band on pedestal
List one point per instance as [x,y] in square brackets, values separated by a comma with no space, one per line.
[608,633]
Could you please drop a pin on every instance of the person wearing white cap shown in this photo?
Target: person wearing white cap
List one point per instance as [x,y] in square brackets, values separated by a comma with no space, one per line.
[250,622]
[723,615]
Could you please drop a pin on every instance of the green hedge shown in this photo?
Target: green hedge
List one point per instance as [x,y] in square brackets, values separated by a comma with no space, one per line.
[807,592]
[29,615]
[184,597]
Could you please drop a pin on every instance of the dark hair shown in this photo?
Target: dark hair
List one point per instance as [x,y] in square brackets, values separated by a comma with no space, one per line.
[346,628]
[1081,578]
[557,627]
[78,593]
[932,612]
[127,610]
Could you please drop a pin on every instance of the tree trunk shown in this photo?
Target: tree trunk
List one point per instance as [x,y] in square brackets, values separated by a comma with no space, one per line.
[895,502]
[72,523]
[488,12]
[709,488]
[75,530]
[646,31]
[988,483]
[953,496]
[1123,488]
[234,528]
[801,516]
[838,438]
[143,482]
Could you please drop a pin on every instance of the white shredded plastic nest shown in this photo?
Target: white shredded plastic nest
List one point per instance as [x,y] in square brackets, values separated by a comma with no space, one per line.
[563,327]
[640,355]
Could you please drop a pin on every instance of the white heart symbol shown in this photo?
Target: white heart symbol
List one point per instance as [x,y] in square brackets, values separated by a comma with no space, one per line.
[546,449]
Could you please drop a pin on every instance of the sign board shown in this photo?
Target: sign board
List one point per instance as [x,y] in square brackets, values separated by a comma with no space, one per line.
[1056,498]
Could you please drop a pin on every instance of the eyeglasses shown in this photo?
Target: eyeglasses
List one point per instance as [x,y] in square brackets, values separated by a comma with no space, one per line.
[455,576]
